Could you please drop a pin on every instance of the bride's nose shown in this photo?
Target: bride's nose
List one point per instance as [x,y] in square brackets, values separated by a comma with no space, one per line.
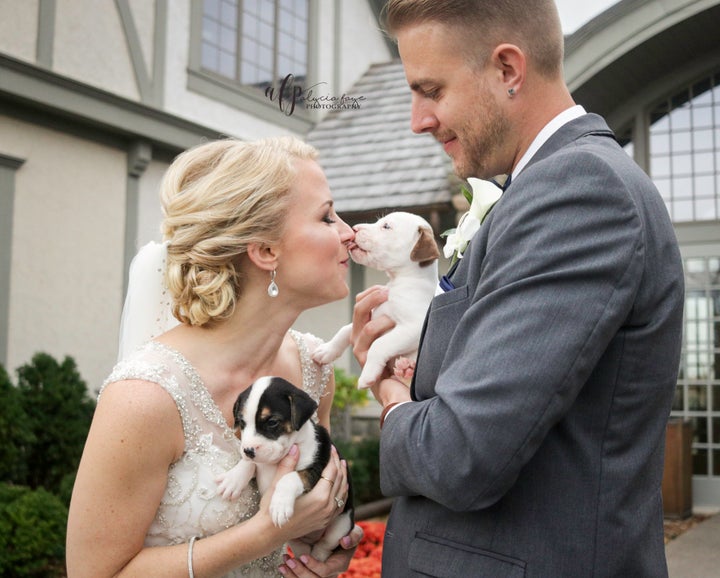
[347,233]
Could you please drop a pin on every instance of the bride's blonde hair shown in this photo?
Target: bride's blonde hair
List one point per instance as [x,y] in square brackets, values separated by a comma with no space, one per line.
[217,198]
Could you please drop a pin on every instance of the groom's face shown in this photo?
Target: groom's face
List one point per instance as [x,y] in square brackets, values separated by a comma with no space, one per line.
[453,99]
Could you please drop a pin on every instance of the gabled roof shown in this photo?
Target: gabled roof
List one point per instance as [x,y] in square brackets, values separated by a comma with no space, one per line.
[373,160]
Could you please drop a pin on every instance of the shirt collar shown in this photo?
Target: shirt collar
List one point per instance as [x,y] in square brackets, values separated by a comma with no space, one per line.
[548,130]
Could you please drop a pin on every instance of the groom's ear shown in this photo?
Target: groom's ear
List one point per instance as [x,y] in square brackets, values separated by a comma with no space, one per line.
[510,65]
[263,256]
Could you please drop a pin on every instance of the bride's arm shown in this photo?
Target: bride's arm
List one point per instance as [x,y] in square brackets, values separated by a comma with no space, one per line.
[136,434]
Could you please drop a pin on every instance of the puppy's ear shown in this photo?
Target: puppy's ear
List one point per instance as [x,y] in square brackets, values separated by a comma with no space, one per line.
[425,250]
[302,407]
[237,408]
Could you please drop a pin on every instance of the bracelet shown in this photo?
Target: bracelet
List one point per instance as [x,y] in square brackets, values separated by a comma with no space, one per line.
[191,574]
[385,411]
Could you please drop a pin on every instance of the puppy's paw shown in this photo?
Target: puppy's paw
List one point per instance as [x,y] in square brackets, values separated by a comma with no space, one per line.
[365,383]
[404,369]
[320,553]
[234,481]
[300,548]
[330,351]
[325,353]
[282,507]
[371,373]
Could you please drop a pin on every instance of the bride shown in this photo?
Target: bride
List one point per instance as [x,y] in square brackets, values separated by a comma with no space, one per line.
[251,240]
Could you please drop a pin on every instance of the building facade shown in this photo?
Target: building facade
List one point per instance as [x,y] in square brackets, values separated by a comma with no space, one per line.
[96,99]
[98,96]
[652,68]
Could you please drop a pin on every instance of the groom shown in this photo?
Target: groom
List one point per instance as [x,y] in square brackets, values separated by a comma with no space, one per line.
[531,442]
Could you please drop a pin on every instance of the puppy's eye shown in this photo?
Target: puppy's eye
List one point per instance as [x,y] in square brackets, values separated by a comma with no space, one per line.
[273,423]
[386,226]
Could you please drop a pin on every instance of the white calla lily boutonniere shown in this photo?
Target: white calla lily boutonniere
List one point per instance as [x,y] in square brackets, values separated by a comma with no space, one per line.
[482,198]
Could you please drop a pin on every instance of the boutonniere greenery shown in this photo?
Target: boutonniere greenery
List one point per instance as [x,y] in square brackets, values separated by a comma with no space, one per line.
[482,197]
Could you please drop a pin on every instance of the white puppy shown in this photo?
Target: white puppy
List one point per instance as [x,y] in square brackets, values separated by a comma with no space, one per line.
[403,246]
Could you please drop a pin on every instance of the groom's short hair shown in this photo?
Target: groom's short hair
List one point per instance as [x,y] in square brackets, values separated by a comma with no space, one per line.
[533,25]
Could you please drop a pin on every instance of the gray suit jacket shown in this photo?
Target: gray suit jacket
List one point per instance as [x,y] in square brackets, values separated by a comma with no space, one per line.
[544,382]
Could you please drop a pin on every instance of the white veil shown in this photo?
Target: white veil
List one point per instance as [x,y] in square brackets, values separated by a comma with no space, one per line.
[147,312]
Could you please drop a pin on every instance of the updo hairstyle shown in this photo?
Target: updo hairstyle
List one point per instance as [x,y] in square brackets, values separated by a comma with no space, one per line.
[217,198]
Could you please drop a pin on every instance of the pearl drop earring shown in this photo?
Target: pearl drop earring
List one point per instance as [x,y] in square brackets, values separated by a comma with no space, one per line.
[273,289]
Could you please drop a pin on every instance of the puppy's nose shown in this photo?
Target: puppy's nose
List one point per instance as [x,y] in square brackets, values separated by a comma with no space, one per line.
[249,452]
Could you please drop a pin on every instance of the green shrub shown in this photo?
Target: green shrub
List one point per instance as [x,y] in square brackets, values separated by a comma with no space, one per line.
[347,393]
[32,533]
[363,458]
[15,432]
[59,411]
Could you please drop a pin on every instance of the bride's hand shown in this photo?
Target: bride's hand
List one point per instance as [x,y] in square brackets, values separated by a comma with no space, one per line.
[338,562]
[315,510]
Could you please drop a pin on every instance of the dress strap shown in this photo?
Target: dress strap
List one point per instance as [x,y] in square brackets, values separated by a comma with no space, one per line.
[315,376]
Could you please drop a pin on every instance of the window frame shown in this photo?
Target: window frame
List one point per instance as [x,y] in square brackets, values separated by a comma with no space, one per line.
[248,99]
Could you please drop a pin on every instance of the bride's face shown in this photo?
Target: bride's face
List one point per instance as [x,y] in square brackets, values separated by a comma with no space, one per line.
[314,260]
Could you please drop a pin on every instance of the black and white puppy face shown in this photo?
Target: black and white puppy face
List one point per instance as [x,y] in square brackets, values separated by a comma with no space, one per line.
[268,416]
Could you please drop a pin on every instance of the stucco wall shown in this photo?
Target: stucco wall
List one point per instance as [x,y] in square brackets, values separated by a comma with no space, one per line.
[68,226]
[18,28]
[90,46]
[149,212]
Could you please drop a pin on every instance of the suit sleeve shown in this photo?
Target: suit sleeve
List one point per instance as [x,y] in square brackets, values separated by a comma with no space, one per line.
[558,262]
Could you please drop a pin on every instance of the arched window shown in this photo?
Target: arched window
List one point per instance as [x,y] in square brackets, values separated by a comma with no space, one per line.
[684,149]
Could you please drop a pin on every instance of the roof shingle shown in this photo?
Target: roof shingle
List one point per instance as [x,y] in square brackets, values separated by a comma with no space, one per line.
[372,159]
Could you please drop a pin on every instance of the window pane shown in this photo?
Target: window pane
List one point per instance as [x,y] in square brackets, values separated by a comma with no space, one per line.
[697,398]
[219,37]
[229,12]
[684,144]
[212,8]
[682,211]
[678,404]
[681,142]
[209,57]
[700,462]
[660,166]
[255,42]
[664,187]
[660,143]
[227,64]
[228,39]
[703,139]
[705,210]
[210,31]
[700,430]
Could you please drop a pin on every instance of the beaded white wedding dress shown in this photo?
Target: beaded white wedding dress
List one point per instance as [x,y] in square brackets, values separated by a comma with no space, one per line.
[191,505]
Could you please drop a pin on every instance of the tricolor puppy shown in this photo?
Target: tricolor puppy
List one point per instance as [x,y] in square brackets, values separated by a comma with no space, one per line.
[403,246]
[270,416]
